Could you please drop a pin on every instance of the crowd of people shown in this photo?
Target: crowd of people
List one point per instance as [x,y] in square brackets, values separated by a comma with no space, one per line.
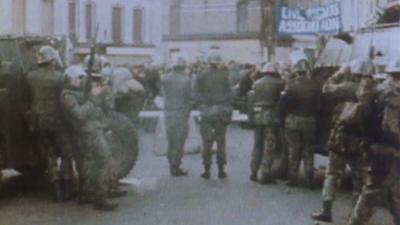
[284,107]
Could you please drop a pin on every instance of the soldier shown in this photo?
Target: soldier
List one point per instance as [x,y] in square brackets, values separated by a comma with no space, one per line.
[383,152]
[176,87]
[300,103]
[342,88]
[213,94]
[47,120]
[88,118]
[267,91]
[129,93]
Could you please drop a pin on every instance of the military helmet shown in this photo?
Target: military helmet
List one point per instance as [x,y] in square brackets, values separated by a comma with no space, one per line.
[214,57]
[393,66]
[98,62]
[270,68]
[301,66]
[179,61]
[73,73]
[46,54]
[363,67]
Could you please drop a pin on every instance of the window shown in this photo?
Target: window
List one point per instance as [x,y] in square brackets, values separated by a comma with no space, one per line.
[138,21]
[72,20]
[242,15]
[89,12]
[117,24]
[47,17]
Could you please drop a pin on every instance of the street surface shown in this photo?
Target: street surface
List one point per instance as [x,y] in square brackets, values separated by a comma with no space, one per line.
[155,198]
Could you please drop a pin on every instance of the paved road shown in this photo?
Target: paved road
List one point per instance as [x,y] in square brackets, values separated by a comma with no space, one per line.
[157,199]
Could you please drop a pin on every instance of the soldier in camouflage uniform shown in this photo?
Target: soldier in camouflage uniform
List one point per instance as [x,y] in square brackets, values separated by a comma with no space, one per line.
[213,94]
[300,102]
[176,87]
[267,138]
[104,79]
[382,150]
[88,118]
[345,140]
[47,120]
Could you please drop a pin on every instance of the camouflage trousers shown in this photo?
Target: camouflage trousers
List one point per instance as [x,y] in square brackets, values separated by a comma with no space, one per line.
[176,123]
[213,131]
[377,192]
[301,146]
[54,144]
[258,148]
[336,168]
[96,163]
[266,150]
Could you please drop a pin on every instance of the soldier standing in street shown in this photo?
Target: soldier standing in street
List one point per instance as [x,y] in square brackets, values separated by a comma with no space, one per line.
[383,152]
[100,64]
[176,87]
[88,118]
[266,93]
[345,140]
[47,120]
[300,102]
[213,94]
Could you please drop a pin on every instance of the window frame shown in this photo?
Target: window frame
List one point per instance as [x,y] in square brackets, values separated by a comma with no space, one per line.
[122,30]
[90,34]
[143,25]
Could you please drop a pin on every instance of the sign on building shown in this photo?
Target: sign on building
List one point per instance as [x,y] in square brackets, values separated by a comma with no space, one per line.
[325,19]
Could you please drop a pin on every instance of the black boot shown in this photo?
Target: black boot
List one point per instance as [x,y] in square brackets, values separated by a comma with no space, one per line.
[104,205]
[267,179]
[221,172]
[325,214]
[57,192]
[67,189]
[176,171]
[206,173]
[117,193]
[253,176]
[85,198]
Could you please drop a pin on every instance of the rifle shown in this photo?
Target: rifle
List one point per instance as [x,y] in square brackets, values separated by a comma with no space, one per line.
[90,64]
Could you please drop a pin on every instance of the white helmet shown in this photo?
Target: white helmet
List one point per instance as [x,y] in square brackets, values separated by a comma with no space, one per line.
[270,67]
[393,66]
[362,66]
[179,61]
[214,57]
[73,73]
[299,61]
[46,54]
[301,66]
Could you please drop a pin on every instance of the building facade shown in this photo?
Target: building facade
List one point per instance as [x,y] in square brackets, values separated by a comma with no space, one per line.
[196,26]
[244,30]
[129,30]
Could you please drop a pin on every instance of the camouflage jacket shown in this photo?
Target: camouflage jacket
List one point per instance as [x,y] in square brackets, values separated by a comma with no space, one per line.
[85,115]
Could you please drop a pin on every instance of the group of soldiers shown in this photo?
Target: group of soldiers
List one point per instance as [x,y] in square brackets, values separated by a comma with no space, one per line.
[285,112]
[69,116]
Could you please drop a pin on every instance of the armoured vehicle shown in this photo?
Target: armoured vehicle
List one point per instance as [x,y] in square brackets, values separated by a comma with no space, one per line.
[18,148]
